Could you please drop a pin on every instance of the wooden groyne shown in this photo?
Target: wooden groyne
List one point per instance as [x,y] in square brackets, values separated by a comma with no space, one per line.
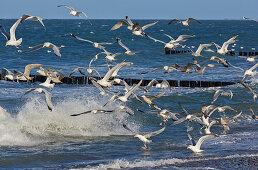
[84,80]
[231,53]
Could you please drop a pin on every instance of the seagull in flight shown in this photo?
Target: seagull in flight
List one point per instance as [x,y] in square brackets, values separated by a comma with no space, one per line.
[224,49]
[48,45]
[32,18]
[11,39]
[145,138]
[95,44]
[196,147]
[128,51]
[128,22]
[75,13]
[47,94]
[185,23]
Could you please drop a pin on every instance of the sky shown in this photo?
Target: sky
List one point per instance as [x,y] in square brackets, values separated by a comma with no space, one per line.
[135,9]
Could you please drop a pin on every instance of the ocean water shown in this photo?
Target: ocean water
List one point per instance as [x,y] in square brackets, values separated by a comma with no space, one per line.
[33,137]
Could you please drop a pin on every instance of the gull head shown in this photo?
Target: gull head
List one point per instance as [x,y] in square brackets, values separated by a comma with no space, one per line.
[46,44]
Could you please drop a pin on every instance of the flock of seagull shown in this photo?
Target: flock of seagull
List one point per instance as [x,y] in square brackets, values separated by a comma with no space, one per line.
[205,117]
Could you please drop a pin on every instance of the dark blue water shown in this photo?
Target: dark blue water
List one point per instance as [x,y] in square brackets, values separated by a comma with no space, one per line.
[33,137]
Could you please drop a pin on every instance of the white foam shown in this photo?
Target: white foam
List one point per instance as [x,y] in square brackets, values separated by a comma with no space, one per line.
[35,123]
[122,163]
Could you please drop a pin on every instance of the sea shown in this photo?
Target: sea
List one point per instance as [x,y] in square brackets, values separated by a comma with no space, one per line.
[33,137]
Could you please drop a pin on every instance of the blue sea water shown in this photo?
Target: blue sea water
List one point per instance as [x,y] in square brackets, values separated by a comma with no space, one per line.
[33,137]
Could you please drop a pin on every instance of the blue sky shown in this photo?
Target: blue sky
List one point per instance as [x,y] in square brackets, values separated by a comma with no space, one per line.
[145,9]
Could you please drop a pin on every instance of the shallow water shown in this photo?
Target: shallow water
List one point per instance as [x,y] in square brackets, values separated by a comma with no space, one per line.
[33,137]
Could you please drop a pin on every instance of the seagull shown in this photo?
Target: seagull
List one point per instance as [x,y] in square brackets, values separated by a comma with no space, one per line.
[75,13]
[224,49]
[128,51]
[222,93]
[250,72]
[163,85]
[149,85]
[40,90]
[11,39]
[101,111]
[167,69]
[245,18]
[200,48]
[128,22]
[173,43]
[110,56]
[200,70]
[102,91]
[95,44]
[144,138]
[104,82]
[185,23]
[188,116]
[250,89]
[10,75]
[48,45]
[32,18]
[195,147]
[166,115]
[224,123]
[148,100]
[26,75]
[140,30]
[124,98]
[47,83]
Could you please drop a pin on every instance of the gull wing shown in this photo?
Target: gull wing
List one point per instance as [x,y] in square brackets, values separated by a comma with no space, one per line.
[81,113]
[233,117]
[69,7]
[202,139]
[48,100]
[165,82]
[154,133]
[29,67]
[13,28]
[250,89]
[155,40]
[230,41]
[122,45]
[150,84]
[251,110]
[157,96]
[78,38]
[78,68]
[201,46]
[192,19]
[118,25]
[28,91]
[170,22]
[183,37]
[179,103]
[128,94]
[156,69]
[254,67]
[56,49]
[129,20]
[5,34]
[216,95]
[178,121]
[34,48]
[8,71]
[171,38]
[111,100]
[149,25]
[41,21]
[97,85]
[191,139]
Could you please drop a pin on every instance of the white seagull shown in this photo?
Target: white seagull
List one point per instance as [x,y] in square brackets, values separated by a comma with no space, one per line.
[224,49]
[32,18]
[128,51]
[47,94]
[48,45]
[128,22]
[144,138]
[11,39]
[195,147]
[185,23]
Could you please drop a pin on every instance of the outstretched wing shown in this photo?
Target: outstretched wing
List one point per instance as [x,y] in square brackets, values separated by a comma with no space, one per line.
[34,48]
[170,22]
[81,113]
[202,139]
[78,38]
[7,36]
[69,7]
[154,133]
[118,25]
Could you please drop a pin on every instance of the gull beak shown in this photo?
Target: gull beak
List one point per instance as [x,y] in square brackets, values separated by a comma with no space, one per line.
[188,147]
[5,45]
